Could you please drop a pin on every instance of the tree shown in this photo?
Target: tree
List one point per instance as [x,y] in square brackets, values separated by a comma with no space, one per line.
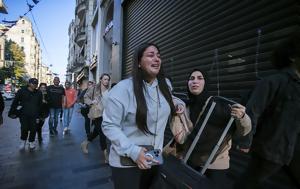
[16,55]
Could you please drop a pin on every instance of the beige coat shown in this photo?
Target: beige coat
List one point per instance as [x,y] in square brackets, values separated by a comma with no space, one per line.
[93,95]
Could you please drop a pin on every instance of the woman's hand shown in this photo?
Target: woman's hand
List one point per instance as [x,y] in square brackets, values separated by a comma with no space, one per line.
[143,160]
[238,111]
[180,108]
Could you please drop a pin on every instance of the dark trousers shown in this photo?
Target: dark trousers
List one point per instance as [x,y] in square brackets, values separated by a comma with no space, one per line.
[87,123]
[28,124]
[258,171]
[61,114]
[39,128]
[134,178]
[98,131]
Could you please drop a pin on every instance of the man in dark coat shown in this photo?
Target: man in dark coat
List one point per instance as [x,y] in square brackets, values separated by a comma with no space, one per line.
[274,108]
[1,108]
[26,106]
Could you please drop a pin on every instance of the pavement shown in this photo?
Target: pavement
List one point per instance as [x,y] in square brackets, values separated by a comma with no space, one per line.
[56,164]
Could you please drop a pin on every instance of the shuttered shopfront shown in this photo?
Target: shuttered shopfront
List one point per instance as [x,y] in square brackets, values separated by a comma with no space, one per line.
[235,36]
[231,40]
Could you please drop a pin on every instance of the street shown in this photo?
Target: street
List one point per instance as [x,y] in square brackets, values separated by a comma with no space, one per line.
[56,164]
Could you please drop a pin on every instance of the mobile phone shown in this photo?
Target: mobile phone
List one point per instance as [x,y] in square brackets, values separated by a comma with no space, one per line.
[156,155]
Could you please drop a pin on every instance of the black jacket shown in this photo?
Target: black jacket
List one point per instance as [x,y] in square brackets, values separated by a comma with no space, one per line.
[31,103]
[1,104]
[274,108]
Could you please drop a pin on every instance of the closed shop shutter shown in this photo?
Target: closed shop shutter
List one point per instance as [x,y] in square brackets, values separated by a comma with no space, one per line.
[192,34]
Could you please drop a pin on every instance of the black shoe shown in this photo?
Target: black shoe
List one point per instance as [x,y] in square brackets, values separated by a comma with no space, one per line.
[40,139]
[55,132]
[51,132]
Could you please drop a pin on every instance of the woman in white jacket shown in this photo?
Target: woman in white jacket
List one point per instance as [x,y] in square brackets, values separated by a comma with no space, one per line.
[135,115]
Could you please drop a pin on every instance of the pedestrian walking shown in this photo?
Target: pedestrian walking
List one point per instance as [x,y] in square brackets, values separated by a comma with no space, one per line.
[56,95]
[94,99]
[274,108]
[44,111]
[2,105]
[135,116]
[84,108]
[61,111]
[26,106]
[68,106]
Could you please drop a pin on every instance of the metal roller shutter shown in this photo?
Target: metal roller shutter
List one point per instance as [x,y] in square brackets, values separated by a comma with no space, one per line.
[188,33]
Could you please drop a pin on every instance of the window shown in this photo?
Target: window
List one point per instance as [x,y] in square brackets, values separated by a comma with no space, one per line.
[22,48]
[22,31]
[22,39]
[23,21]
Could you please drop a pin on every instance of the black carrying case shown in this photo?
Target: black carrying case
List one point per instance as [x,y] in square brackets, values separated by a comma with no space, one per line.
[176,173]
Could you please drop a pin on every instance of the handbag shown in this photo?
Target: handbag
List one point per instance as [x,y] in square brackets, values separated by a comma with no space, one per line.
[94,109]
[84,110]
[14,114]
[181,126]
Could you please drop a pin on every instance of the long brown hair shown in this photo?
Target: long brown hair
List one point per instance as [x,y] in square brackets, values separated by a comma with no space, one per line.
[138,87]
[99,85]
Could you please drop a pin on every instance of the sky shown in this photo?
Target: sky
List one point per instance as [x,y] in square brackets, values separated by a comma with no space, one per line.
[52,18]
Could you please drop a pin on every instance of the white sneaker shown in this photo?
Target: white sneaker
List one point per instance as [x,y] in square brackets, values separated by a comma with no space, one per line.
[105,156]
[65,130]
[22,145]
[84,147]
[31,145]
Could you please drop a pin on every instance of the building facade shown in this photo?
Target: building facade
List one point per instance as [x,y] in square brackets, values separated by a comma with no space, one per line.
[22,34]
[99,41]
[80,56]
[2,45]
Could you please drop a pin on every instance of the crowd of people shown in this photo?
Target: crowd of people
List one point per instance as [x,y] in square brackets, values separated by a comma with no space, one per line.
[133,116]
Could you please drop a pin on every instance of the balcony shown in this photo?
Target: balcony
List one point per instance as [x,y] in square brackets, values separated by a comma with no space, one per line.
[80,9]
[80,36]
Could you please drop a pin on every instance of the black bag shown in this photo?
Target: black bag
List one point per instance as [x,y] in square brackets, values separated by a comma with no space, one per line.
[14,114]
[85,110]
[176,173]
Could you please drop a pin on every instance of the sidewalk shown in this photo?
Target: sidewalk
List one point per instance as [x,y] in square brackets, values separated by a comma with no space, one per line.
[56,164]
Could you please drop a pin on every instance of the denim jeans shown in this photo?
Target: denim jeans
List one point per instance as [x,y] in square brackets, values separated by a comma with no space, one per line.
[67,116]
[53,118]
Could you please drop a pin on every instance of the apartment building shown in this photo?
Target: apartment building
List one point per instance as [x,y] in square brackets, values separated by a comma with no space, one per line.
[22,34]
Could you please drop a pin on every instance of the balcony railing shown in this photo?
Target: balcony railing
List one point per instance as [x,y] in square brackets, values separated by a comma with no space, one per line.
[80,36]
[81,9]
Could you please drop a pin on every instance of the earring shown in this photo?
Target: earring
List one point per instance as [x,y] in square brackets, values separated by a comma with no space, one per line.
[139,65]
